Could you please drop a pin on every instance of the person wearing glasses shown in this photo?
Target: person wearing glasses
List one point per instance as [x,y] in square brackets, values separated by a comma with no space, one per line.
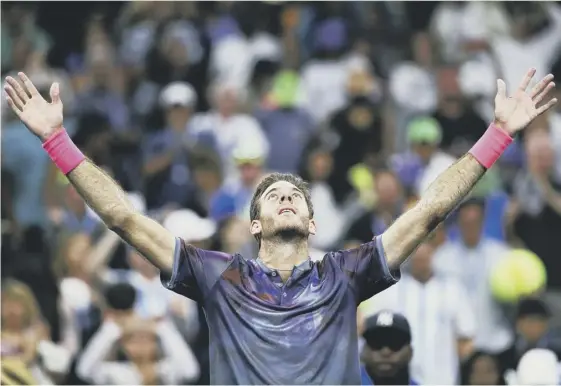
[387,350]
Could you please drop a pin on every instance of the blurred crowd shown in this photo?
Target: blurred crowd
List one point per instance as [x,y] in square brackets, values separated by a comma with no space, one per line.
[189,104]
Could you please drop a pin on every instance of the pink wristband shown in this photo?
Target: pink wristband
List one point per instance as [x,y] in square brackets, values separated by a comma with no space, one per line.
[491,146]
[64,153]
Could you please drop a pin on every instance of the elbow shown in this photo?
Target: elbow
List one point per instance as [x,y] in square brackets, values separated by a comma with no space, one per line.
[121,221]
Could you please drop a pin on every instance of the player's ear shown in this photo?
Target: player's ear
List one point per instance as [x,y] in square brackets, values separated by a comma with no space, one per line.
[255,227]
[312,227]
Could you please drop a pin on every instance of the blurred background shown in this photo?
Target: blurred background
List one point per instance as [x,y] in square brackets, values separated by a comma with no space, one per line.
[189,104]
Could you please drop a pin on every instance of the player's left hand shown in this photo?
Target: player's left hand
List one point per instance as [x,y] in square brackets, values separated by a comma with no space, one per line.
[513,113]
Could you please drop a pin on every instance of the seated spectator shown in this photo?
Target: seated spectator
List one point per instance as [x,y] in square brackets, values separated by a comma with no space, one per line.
[387,350]
[460,125]
[133,351]
[536,220]
[287,127]
[420,166]
[470,260]
[359,127]
[390,203]
[533,330]
[481,368]
[228,124]
[153,300]
[207,177]
[234,197]
[23,329]
[167,166]
[328,215]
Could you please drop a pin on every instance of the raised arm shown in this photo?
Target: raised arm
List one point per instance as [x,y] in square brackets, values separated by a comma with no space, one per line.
[512,114]
[99,190]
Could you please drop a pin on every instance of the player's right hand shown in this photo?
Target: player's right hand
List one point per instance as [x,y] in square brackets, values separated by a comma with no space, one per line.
[41,117]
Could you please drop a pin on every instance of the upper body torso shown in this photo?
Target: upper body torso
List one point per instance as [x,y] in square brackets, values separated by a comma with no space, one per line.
[263,331]
[365,379]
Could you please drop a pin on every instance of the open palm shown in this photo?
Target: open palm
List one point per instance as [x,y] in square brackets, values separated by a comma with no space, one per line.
[514,113]
[41,117]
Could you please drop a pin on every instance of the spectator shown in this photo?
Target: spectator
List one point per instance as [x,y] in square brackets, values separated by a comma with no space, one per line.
[437,307]
[387,351]
[419,167]
[414,76]
[234,197]
[227,124]
[465,29]
[532,331]
[23,328]
[287,126]
[536,205]
[533,41]
[20,148]
[359,128]
[470,260]
[460,125]
[328,216]
[137,341]
[482,368]
[178,55]
[389,205]
[153,301]
[167,170]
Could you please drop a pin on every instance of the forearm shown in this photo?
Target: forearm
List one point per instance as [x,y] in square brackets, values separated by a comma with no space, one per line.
[442,196]
[111,203]
[102,194]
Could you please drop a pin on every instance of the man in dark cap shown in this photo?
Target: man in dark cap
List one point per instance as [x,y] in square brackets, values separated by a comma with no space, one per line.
[532,331]
[387,350]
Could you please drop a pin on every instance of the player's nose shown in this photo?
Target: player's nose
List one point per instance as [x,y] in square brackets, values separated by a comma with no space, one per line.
[286,197]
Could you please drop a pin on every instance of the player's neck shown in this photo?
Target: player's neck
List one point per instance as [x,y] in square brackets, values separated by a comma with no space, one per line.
[283,256]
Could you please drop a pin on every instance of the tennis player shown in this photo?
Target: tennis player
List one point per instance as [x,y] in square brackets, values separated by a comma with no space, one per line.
[279,318]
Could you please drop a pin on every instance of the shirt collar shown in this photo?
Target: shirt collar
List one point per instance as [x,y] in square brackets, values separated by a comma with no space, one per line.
[298,270]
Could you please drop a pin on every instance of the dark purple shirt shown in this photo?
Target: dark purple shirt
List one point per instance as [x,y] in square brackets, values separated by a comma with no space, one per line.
[264,331]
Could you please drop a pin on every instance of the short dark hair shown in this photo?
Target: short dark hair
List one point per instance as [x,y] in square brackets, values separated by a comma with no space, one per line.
[255,207]
[120,296]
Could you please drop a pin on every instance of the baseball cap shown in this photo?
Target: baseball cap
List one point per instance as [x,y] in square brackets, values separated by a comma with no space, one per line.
[532,307]
[424,130]
[178,94]
[387,328]
[189,226]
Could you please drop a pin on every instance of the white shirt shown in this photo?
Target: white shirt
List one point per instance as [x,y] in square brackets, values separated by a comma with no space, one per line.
[177,365]
[516,57]
[323,87]
[439,314]
[438,163]
[456,25]
[230,133]
[472,267]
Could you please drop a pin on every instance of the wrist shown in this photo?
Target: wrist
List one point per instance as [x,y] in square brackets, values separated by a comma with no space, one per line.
[62,151]
[491,145]
[501,125]
[48,134]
